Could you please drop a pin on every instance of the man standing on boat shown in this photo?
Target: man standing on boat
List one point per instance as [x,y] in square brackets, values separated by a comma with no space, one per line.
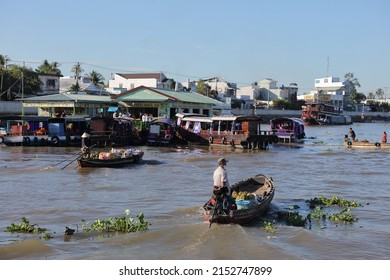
[352,134]
[221,182]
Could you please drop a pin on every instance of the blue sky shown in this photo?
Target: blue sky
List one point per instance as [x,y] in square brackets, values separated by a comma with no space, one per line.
[241,41]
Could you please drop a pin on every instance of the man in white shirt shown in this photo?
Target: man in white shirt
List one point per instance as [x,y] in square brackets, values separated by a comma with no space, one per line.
[221,182]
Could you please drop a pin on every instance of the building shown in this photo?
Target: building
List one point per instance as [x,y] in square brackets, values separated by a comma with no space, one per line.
[329,90]
[166,103]
[85,85]
[223,88]
[50,84]
[70,104]
[125,82]
[267,90]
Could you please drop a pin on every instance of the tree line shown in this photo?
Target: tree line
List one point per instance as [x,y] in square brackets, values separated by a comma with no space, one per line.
[16,80]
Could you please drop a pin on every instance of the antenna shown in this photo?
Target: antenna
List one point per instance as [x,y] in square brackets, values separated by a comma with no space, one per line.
[327,67]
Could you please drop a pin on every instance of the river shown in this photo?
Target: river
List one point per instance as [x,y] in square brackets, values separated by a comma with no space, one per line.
[169,186]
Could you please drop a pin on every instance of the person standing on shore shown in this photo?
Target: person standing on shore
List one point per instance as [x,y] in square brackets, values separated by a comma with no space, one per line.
[384,137]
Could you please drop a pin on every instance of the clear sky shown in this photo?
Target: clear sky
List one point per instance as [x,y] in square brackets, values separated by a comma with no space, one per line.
[241,41]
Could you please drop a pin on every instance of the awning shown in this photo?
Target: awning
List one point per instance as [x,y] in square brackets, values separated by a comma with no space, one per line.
[112,109]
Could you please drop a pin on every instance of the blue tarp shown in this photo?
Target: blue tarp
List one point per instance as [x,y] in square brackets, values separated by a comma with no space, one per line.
[112,109]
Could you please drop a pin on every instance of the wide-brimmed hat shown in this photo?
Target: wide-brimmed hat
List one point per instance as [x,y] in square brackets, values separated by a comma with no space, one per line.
[222,160]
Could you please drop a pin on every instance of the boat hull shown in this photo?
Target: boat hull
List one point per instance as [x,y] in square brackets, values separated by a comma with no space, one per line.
[262,186]
[117,162]
[369,145]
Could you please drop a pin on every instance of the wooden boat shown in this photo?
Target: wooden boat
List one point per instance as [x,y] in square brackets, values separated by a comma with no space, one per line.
[114,158]
[162,132]
[323,114]
[24,130]
[262,189]
[234,131]
[288,130]
[366,144]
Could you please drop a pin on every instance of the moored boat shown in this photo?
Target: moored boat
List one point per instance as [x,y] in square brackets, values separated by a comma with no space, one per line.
[259,188]
[323,114]
[162,132]
[24,130]
[288,130]
[114,158]
[234,131]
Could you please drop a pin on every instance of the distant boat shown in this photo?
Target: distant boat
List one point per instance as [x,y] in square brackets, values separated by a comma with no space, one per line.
[366,144]
[323,114]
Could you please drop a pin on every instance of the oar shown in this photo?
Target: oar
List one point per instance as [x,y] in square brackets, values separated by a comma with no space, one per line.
[78,154]
[71,162]
[214,210]
[77,158]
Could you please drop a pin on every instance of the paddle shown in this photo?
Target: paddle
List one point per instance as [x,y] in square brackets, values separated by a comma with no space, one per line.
[79,156]
[71,162]
[214,210]
[78,153]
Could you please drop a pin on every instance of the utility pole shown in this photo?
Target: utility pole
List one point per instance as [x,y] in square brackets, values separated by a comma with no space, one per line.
[22,93]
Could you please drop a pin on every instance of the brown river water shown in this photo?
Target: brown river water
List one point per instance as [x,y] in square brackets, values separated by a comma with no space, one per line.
[170,184]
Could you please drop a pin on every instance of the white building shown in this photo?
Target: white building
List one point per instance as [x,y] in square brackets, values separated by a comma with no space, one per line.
[85,85]
[224,89]
[329,90]
[50,84]
[124,82]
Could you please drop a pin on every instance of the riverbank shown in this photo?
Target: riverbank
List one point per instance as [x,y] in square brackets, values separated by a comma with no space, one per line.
[15,108]
[267,115]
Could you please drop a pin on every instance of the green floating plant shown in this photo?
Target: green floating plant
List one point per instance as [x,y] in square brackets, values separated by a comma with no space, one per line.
[270,226]
[121,224]
[25,227]
[334,200]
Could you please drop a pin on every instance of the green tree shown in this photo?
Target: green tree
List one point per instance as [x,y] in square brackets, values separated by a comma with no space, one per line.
[77,70]
[379,93]
[173,84]
[203,88]
[3,64]
[19,80]
[370,95]
[354,84]
[96,78]
[49,68]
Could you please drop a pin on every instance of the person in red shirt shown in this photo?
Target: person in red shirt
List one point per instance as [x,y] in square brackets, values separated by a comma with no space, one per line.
[384,137]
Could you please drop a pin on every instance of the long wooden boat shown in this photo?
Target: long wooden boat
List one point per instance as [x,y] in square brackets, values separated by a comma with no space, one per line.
[366,144]
[288,130]
[234,131]
[260,187]
[115,158]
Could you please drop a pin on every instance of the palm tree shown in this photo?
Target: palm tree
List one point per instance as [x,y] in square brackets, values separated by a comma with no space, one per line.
[49,68]
[96,78]
[379,93]
[77,70]
[3,64]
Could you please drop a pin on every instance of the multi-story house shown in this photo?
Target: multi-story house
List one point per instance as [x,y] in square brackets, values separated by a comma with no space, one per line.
[124,82]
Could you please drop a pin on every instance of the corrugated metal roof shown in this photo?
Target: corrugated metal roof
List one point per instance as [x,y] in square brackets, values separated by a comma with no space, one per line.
[62,97]
[143,93]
